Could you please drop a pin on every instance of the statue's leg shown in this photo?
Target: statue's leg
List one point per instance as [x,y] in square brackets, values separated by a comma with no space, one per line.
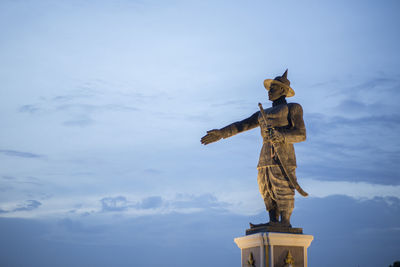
[286,213]
[262,180]
[274,216]
[265,190]
[285,217]
[284,194]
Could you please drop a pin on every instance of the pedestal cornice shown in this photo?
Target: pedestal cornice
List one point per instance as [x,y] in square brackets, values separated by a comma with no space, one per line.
[274,239]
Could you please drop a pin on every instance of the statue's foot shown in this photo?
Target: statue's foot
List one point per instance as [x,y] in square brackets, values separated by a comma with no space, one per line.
[272,223]
[252,225]
[285,224]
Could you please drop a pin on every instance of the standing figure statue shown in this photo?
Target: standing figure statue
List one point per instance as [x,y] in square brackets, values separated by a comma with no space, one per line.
[281,126]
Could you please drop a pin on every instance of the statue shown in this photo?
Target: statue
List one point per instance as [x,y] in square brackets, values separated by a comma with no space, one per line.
[281,126]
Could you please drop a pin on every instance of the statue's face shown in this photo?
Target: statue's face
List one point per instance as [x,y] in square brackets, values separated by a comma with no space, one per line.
[275,91]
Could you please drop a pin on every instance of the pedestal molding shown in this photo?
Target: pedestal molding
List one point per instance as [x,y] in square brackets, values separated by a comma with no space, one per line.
[281,239]
[267,247]
[250,241]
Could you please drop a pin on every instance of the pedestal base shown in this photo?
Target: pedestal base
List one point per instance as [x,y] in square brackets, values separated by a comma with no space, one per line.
[270,249]
[272,228]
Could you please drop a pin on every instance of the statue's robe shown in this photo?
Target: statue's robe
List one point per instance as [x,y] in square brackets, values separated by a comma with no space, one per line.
[273,183]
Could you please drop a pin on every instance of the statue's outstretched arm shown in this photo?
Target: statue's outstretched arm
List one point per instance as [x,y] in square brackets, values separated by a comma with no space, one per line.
[230,130]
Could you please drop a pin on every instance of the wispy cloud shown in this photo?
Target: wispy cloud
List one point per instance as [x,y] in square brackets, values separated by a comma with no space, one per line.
[75,107]
[95,108]
[362,147]
[153,202]
[80,106]
[27,180]
[29,108]
[375,86]
[118,203]
[121,203]
[7,177]
[21,154]
[181,202]
[356,190]
[204,201]
[28,205]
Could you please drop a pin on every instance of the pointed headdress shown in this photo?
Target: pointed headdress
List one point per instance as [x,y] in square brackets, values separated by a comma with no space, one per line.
[282,81]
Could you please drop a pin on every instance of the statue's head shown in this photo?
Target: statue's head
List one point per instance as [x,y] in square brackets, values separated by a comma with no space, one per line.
[280,86]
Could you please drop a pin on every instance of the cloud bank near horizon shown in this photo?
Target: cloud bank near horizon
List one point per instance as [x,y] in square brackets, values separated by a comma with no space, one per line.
[174,239]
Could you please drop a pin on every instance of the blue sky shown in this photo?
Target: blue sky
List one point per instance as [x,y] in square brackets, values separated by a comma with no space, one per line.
[103,104]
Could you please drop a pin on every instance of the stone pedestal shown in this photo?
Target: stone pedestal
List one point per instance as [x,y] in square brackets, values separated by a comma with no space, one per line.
[269,249]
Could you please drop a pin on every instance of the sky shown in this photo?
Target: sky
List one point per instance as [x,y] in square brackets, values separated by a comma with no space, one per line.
[103,104]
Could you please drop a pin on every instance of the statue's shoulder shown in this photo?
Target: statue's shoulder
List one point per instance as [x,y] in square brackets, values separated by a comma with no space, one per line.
[295,108]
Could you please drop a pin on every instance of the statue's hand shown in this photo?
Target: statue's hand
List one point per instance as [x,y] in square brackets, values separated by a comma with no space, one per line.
[275,136]
[211,136]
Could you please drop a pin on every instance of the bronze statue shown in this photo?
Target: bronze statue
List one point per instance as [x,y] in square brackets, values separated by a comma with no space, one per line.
[281,126]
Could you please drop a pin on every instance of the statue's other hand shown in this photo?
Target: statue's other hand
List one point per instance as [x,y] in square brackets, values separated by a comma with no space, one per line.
[211,136]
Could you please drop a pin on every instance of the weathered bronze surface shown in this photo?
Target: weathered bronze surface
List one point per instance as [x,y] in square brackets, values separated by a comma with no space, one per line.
[281,126]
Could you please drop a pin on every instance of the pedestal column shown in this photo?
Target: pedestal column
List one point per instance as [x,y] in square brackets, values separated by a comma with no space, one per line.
[269,249]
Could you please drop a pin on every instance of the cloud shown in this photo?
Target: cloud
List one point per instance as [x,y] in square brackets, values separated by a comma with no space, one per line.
[376,86]
[73,96]
[80,101]
[118,203]
[204,201]
[21,154]
[353,106]
[27,180]
[29,109]
[370,89]
[7,177]
[351,149]
[377,121]
[376,97]
[357,190]
[29,205]
[90,108]
[151,203]
[79,106]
